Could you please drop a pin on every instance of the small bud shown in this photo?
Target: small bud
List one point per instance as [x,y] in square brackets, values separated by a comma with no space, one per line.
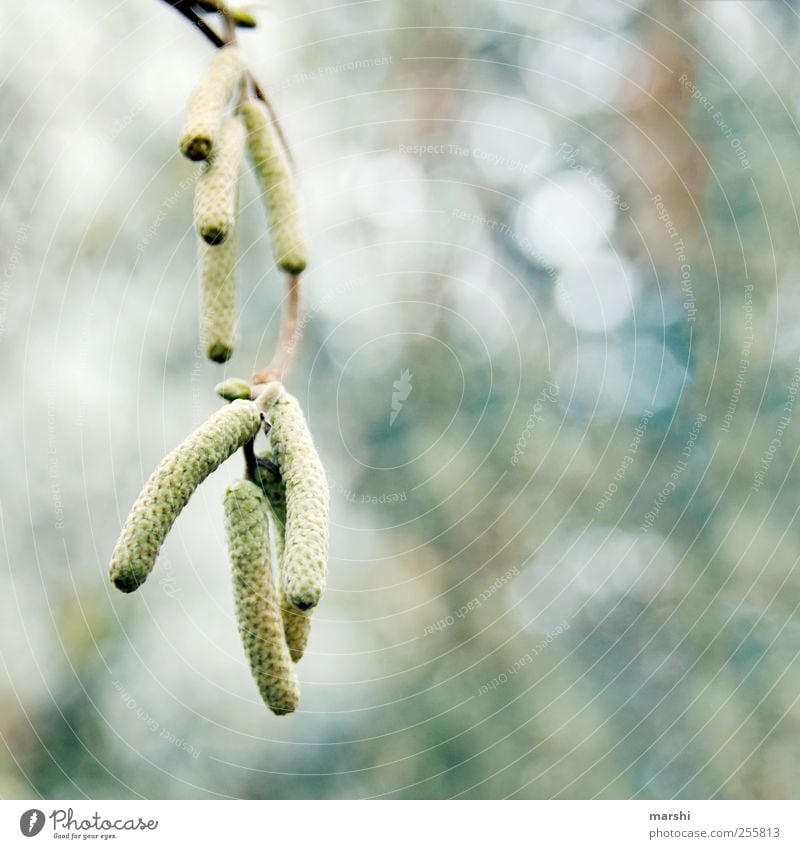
[243,19]
[240,17]
[216,194]
[257,611]
[306,545]
[277,188]
[170,487]
[268,394]
[218,297]
[233,388]
[208,101]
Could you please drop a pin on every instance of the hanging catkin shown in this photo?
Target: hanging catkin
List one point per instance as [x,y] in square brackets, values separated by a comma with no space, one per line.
[296,623]
[217,191]
[257,611]
[306,542]
[171,485]
[207,103]
[277,187]
[218,297]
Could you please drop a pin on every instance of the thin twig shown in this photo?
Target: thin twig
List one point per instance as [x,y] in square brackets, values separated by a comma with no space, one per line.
[185,8]
[288,336]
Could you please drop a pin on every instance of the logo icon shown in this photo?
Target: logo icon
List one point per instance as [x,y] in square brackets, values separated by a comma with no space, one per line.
[31,822]
[402,389]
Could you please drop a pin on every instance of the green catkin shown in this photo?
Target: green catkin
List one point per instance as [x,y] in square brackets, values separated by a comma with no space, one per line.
[218,297]
[306,542]
[277,187]
[217,191]
[296,623]
[207,103]
[170,487]
[257,610]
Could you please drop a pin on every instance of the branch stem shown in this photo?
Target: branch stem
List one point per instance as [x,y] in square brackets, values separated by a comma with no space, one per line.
[288,336]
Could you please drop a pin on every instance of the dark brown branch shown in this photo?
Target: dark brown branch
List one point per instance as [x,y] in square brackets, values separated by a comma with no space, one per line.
[185,9]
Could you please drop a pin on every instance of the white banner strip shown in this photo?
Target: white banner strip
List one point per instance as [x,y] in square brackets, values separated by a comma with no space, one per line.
[398,825]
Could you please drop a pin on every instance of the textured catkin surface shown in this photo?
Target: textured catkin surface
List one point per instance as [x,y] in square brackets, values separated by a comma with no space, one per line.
[296,623]
[306,540]
[277,187]
[217,191]
[218,296]
[170,487]
[255,597]
[207,104]
[296,627]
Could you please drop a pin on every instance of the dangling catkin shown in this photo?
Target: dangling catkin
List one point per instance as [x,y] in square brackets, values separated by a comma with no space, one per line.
[218,297]
[306,543]
[217,191]
[207,103]
[171,485]
[277,187]
[296,623]
[257,612]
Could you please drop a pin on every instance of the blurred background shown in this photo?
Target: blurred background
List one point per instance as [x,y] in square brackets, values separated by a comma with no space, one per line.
[551,361]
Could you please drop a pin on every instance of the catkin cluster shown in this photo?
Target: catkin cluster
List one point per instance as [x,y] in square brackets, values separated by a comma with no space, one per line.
[285,535]
[217,136]
[276,519]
